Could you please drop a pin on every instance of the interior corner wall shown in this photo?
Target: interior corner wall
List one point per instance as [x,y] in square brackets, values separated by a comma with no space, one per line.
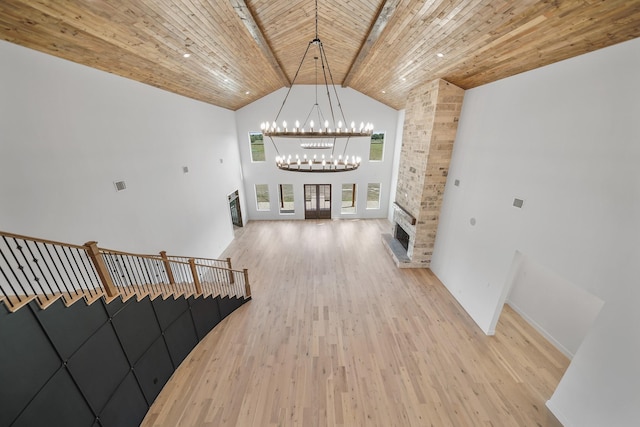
[396,163]
[67,132]
[358,108]
[565,139]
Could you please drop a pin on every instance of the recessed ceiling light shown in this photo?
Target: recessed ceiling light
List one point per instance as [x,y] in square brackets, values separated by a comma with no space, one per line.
[384,91]
[247,93]
[404,79]
[226,80]
[186,55]
[440,55]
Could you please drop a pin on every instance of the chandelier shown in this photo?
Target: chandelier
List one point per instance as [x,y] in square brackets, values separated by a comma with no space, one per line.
[329,129]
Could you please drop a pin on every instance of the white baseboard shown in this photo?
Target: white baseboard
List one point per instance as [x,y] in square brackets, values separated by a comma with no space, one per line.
[558,414]
[540,329]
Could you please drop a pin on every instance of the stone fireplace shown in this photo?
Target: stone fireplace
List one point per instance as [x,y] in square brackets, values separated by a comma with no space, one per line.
[431,122]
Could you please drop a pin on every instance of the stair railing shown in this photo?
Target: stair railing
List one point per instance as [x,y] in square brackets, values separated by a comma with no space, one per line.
[46,271]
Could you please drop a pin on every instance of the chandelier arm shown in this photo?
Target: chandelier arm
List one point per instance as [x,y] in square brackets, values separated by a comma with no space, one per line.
[326,133]
[323,57]
[293,81]
[324,54]
[314,106]
[316,18]
[346,144]
[275,146]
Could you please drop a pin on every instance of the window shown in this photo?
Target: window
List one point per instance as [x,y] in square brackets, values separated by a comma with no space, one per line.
[257,147]
[348,199]
[376,148]
[373,196]
[286,198]
[262,197]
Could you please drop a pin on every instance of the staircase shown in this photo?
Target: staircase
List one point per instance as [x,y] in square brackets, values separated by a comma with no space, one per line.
[45,271]
[102,362]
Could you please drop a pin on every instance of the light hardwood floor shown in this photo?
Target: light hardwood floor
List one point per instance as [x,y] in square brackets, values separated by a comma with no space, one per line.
[337,335]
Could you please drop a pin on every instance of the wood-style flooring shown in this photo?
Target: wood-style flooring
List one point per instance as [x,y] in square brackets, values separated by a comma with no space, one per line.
[336,335]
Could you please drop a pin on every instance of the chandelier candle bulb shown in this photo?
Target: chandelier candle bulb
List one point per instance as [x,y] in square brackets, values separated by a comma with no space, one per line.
[338,131]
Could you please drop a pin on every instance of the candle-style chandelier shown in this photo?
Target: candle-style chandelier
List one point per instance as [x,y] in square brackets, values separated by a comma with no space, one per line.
[327,128]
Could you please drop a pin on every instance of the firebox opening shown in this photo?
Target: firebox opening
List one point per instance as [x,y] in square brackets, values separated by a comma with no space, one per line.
[402,236]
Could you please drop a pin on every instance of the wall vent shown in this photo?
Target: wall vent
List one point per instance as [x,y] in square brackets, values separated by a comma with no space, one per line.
[185,169]
[456,183]
[518,203]
[120,185]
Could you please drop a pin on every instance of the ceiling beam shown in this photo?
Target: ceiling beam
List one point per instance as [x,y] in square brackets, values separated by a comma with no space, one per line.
[383,18]
[240,6]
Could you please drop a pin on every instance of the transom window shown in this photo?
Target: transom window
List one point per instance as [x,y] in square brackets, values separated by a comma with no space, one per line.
[376,147]
[257,147]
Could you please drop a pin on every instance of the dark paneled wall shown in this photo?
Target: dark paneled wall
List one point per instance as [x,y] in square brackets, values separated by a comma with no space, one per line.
[101,365]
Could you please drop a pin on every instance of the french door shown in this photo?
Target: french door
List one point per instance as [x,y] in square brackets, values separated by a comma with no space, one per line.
[234,205]
[317,201]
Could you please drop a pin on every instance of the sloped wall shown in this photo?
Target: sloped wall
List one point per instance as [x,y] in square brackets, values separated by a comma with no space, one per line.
[102,364]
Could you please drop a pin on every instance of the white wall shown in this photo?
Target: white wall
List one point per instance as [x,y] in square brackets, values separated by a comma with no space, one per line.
[396,164]
[566,139]
[358,108]
[68,131]
[560,310]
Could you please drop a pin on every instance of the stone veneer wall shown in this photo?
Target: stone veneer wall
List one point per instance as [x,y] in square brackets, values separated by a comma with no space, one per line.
[431,122]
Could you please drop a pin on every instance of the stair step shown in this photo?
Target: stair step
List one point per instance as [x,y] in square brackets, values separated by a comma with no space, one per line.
[90,299]
[15,303]
[109,299]
[127,297]
[70,299]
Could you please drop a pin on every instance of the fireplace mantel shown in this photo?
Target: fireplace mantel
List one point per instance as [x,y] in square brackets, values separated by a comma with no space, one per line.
[404,213]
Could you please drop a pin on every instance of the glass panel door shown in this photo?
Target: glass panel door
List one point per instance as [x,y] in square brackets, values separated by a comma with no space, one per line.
[317,201]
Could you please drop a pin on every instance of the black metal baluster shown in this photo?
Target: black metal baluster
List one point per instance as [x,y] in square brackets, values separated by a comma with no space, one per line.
[37,278]
[21,268]
[47,264]
[8,281]
[57,270]
[137,265]
[145,267]
[118,271]
[111,268]
[66,272]
[126,272]
[160,265]
[77,270]
[77,284]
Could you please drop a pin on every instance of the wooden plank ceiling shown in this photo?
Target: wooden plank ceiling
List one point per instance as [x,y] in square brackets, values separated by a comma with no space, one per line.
[242,50]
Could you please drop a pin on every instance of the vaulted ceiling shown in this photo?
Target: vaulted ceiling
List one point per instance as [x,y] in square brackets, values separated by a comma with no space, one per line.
[242,50]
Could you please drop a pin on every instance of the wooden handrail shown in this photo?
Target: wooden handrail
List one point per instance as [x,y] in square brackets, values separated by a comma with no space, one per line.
[205,259]
[115,252]
[35,239]
[160,258]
